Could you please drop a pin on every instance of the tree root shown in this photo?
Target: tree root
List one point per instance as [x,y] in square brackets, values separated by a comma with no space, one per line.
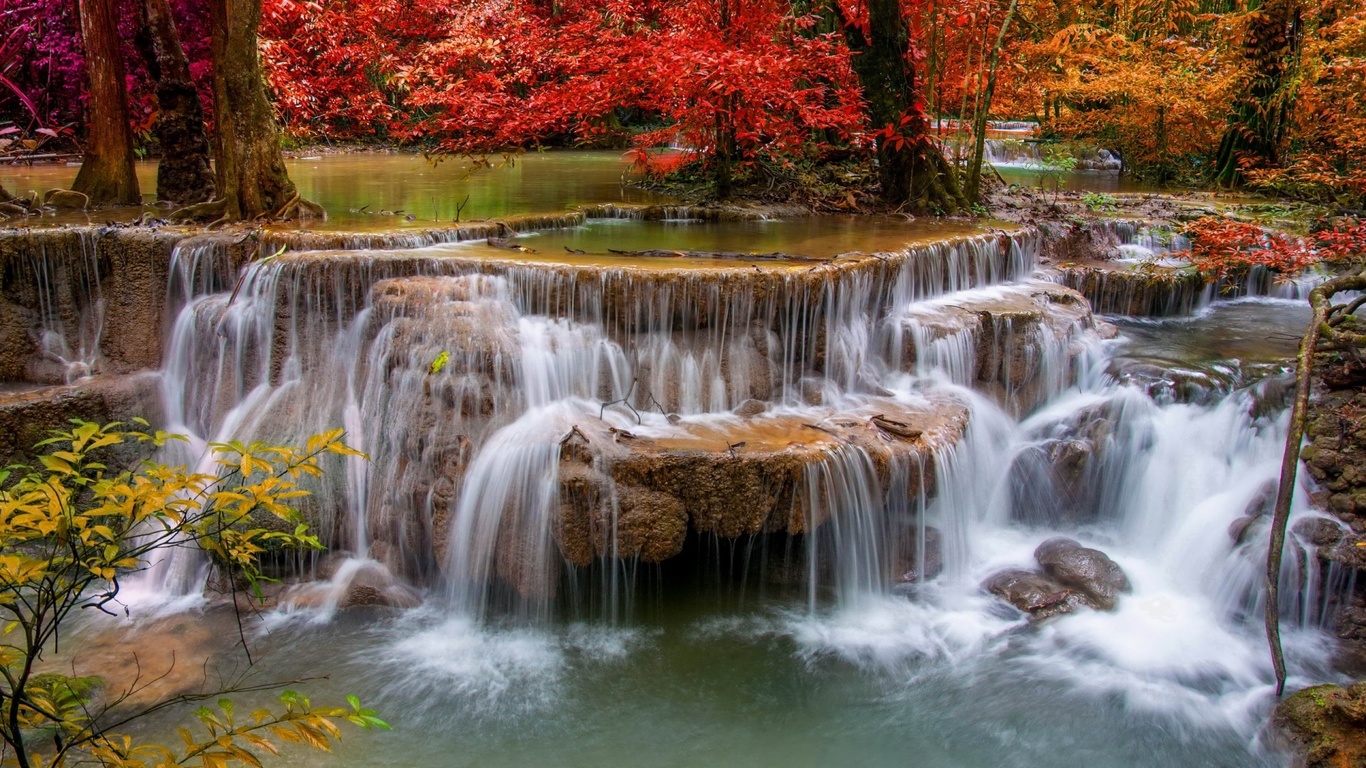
[213,210]
[296,207]
[218,212]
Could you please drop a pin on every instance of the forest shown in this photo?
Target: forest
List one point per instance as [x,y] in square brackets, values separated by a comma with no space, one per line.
[767,95]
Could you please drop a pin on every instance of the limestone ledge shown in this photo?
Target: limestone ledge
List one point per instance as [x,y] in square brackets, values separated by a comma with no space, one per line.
[30,415]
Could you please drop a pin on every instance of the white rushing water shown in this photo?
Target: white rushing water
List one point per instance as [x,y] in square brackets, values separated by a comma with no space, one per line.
[462,495]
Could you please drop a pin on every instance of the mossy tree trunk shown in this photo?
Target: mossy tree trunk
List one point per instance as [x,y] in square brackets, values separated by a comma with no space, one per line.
[912,171]
[184,175]
[1258,120]
[252,180]
[107,175]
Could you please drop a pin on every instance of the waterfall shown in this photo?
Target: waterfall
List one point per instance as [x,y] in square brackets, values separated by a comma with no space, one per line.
[482,390]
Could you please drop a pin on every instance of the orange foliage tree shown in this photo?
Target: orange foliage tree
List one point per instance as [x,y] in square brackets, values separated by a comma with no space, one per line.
[1327,138]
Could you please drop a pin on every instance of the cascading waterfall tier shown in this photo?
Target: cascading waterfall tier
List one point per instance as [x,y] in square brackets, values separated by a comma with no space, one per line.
[1133,267]
[528,417]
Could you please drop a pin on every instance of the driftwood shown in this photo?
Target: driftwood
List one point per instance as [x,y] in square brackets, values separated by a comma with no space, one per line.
[508,244]
[898,429]
[1325,334]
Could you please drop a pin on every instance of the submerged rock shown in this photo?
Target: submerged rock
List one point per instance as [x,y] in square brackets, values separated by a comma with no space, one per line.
[1327,723]
[1087,570]
[66,199]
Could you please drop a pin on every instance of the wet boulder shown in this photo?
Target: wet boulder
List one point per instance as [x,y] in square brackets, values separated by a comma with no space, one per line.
[374,587]
[914,562]
[1240,530]
[1327,723]
[1033,592]
[1258,507]
[1083,569]
[751,408]
[1318,531]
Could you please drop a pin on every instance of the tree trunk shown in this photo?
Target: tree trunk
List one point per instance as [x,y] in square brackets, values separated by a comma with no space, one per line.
[106,175]
[1257,125]
[979,128]
[912,171]
[725,122]
[252,180]
[183,175]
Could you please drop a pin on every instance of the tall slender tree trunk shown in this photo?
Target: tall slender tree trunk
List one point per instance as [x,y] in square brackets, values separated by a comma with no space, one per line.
[912,171]
[183,175]
[107,175]
[725,123]
[1257,123]
[252,179]
[979,128]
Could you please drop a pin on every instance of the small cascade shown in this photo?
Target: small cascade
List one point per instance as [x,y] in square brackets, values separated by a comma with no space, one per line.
[1134,268]
[56,289]
[1024,153]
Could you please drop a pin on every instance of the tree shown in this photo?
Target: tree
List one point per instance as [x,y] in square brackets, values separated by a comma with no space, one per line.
[252,179]
[912,170]
[1256,128]
[107,175]
[183,173]
[71,527]
[1157,101]
[1327,134]
[979,126]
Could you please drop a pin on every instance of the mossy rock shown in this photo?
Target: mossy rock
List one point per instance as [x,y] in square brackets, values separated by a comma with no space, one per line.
[1329,723]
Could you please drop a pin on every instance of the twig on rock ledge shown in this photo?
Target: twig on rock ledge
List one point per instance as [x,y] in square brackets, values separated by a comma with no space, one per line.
[574,430]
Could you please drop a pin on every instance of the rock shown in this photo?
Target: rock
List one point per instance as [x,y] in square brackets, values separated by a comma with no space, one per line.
[909,568]
[1006,334]
[1327,723]
[1238,529]
[1033,593]
[750,408]
[1084,569]
[1318,531]
[372,586]
[1263,502]
[650,525]
[66,199]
